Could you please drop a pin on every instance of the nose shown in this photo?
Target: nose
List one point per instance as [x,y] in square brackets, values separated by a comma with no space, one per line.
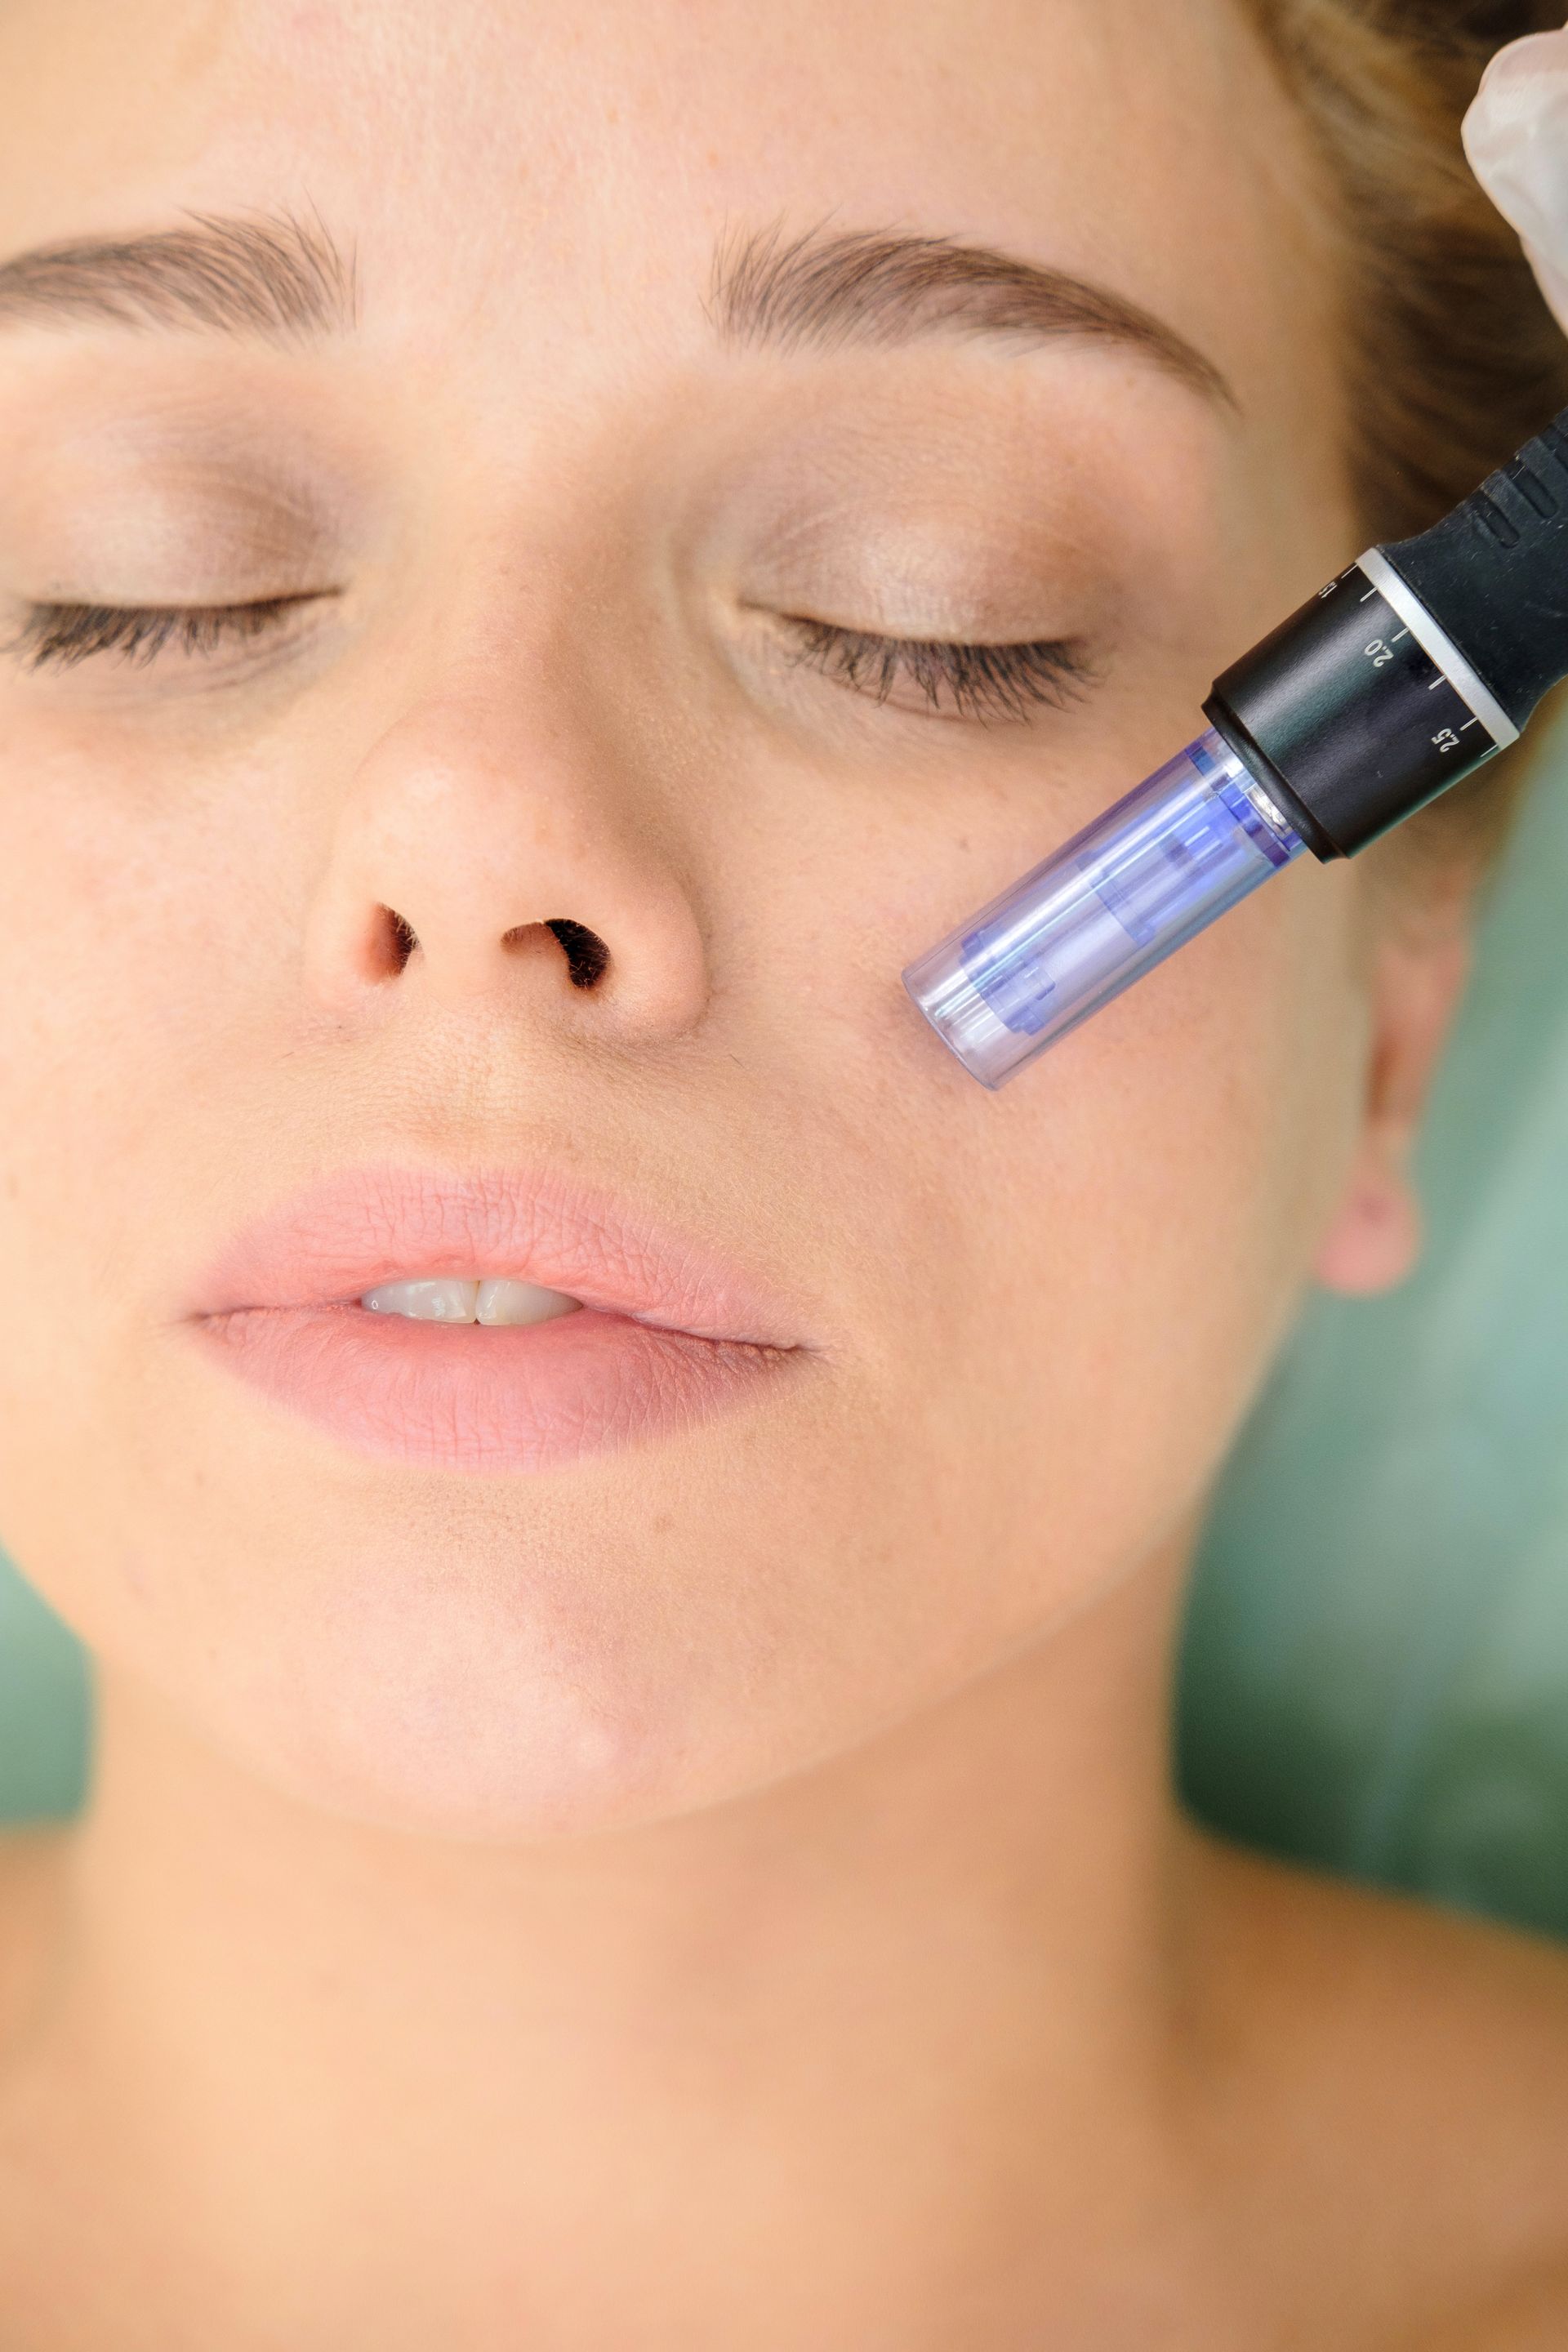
[484,856]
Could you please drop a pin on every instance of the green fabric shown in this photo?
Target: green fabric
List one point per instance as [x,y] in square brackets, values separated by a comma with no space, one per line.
[43,1707]
[1376,1670]
[1376,1674]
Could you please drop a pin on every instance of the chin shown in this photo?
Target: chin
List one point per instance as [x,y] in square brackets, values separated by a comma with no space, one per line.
[454,1721]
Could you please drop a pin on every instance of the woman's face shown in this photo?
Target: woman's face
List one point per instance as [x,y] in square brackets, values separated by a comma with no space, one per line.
[533,520]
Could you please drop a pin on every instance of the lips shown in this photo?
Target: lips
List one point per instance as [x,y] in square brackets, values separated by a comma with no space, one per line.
[668,1334]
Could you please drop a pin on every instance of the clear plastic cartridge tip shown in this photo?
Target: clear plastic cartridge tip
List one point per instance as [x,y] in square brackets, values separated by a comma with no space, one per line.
[1145,877]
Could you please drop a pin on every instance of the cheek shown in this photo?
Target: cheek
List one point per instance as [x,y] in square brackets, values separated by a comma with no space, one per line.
[123,919]
[1126,1235]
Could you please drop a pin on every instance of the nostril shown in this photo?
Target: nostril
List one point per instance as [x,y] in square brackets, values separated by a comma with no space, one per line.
[389,942]
[587,957]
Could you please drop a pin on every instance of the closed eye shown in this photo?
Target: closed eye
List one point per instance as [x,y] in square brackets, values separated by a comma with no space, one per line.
[60,636]
[975,681]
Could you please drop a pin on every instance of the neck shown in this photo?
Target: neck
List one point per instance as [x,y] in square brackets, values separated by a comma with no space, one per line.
[692,2038]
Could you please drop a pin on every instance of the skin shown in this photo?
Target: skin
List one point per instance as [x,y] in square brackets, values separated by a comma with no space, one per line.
[726,1893]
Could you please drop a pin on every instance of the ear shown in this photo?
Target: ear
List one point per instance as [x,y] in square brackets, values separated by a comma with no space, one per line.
[1418,978]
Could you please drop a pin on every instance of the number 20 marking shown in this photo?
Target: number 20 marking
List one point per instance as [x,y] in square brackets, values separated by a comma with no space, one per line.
[1379,653]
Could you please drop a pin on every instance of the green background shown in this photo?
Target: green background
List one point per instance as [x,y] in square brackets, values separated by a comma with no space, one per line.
[1376,1668]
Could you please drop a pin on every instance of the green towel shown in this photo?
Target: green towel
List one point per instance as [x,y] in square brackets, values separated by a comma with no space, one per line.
[1376,1668]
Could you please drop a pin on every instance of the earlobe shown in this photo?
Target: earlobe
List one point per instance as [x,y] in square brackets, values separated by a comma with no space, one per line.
[1374,1241]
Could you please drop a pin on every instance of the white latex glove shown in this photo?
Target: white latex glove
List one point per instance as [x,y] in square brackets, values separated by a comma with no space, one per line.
[1516,136]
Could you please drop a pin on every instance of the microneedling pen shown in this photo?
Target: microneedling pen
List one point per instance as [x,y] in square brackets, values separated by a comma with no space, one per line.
[1400,677]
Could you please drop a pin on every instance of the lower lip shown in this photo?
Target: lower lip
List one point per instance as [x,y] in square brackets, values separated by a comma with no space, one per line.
[472,1396]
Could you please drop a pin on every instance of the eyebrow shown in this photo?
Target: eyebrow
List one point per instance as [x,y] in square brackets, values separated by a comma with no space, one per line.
[287,279]
[822,292]
[274,276]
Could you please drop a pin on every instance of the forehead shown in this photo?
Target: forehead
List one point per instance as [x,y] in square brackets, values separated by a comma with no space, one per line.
[459,132]
[574,162]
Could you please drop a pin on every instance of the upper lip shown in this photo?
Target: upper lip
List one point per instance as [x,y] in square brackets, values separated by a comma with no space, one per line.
[350,1231]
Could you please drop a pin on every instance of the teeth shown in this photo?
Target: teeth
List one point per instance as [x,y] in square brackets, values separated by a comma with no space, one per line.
[500,1301]
[495,1300]
[426,1302]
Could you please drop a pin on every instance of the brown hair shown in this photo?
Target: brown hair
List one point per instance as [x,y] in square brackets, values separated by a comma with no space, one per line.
[1455,359]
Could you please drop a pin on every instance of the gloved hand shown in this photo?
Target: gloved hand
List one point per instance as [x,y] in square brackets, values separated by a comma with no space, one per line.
[1516,136]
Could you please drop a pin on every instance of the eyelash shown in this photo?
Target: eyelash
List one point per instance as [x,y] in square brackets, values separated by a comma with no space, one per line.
[64,634]
[980,681]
